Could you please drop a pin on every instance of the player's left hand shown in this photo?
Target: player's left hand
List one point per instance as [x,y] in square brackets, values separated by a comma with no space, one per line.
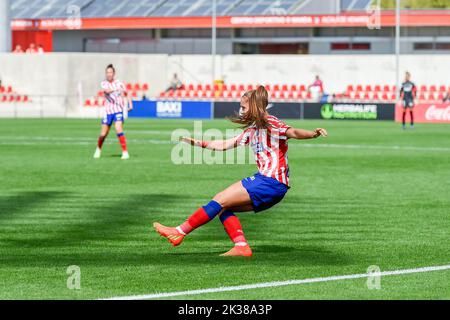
[321,132]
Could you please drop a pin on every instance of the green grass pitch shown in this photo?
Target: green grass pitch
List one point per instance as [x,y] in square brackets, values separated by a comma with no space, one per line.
[370,194]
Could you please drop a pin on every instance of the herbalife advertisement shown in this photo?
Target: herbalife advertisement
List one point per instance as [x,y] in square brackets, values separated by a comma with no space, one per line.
[349,111]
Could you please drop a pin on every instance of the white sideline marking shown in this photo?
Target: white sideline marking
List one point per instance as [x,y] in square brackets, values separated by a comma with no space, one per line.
[87,141]
[280,283]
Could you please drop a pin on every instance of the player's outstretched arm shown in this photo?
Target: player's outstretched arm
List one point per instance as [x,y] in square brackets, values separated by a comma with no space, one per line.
[217,145]
[302,134]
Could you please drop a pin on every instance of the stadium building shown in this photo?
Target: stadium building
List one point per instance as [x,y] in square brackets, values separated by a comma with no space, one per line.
[243,27]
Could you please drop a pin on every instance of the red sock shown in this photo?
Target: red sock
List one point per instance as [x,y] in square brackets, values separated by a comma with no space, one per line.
[197,219]
[233,228]
[101,139]
[123,141]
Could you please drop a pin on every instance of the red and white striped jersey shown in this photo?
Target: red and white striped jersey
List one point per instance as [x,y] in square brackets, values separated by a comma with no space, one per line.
[270,147]
[115,101]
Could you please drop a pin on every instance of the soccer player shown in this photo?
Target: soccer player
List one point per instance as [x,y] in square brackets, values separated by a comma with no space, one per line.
[117,102]
[408,95]
[268,137]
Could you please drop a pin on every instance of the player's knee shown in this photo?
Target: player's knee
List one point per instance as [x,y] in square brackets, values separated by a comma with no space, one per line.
[221,199]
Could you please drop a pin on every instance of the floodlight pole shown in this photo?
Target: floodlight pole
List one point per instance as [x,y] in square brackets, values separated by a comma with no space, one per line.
[214,39]
[213,53]
[397,48]
[5,26]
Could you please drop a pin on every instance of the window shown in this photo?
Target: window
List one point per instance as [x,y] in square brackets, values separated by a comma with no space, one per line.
[350,46]
[423,46]
[443,46]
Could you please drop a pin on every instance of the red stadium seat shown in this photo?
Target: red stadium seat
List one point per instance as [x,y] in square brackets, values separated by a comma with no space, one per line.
[433,88]
[208,87]
[199,87]
[26,99]
[4,98]
[9,89]
[268,87]
[422,96]
[276,87]
[233,87]
[357,96]
[2,90]
[302,88]
[367,96]
[350,88]
[377,88]
[385,97]
[368,88]
[386,88]
[137,87]
[393,96]
[442,89]
[308,95]
[284,87]
[87,103]
[294,88]
[250,87]
[129,87]
[359,88]
[423,88]
[440,96]
[241,87]
[376,97]
[145,87]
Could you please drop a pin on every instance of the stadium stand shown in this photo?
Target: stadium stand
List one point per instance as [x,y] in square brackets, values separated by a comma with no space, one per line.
[44,9]
[354,93]
[9,95]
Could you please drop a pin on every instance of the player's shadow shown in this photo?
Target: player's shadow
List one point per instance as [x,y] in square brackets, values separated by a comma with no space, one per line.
[117,231]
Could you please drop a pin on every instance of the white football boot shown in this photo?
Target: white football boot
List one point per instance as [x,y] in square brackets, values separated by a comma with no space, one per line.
[98,153]
[125,155]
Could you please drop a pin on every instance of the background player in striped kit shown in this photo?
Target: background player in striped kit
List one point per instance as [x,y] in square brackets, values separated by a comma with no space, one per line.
[268,137]
[116,103]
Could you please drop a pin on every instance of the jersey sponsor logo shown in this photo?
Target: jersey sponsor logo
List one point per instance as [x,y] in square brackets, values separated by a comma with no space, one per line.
[257,147]
[169,109]
[349,111]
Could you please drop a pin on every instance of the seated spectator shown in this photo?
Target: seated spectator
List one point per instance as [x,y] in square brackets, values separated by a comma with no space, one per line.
[446,97]
[32,49]
[175,83]
[18,49]
[316,88]
[40,49]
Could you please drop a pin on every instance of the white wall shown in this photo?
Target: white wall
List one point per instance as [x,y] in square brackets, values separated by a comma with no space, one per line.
[57,75]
